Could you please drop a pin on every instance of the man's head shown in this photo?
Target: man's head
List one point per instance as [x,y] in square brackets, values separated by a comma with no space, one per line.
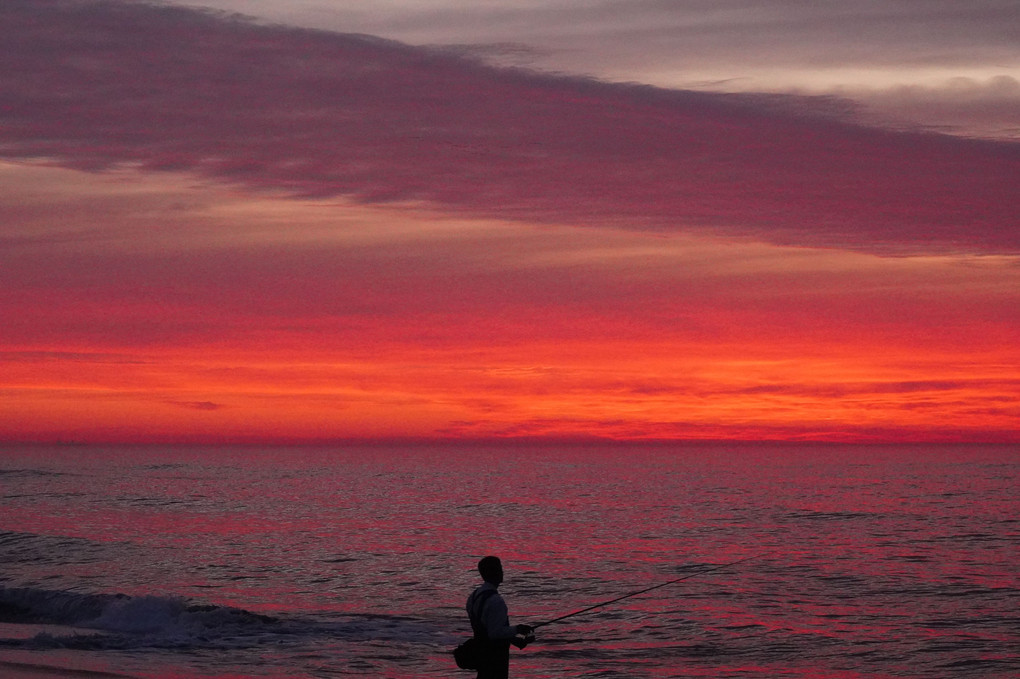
[491,569]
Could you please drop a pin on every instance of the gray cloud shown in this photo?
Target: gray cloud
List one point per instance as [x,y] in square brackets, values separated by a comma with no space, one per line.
[94,85]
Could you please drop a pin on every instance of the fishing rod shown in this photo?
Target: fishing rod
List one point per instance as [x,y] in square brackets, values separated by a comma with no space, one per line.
[647,589]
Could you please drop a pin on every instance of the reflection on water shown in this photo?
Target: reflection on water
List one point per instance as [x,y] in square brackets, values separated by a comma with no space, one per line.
[327,562]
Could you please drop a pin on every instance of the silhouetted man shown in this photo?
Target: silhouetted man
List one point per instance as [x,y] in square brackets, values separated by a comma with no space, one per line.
[490,623]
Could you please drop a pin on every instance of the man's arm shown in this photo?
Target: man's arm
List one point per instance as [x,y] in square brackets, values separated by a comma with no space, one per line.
[494,617]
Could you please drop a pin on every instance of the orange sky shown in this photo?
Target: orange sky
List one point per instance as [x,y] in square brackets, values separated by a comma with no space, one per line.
[358,321]
[775,276]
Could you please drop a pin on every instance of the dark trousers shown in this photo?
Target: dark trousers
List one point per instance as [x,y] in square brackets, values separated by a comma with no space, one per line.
[495,661]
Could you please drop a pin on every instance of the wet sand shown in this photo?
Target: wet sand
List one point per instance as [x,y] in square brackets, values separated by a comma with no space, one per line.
[24,664]
[26,670]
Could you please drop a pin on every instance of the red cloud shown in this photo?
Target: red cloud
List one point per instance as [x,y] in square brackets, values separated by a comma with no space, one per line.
[99,84]
[197,405]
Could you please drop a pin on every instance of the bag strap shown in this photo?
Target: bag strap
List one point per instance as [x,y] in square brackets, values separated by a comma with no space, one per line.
[477,606]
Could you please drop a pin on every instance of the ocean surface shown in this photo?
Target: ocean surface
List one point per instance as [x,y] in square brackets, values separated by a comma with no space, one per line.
[882,561]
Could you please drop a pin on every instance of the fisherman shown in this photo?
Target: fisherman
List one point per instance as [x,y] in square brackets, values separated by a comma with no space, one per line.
[491,623]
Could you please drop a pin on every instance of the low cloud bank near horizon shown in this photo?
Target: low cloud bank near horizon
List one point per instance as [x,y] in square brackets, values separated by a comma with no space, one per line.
[100,85]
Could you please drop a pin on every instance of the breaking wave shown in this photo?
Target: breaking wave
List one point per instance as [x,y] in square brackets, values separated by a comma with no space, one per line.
[117,621]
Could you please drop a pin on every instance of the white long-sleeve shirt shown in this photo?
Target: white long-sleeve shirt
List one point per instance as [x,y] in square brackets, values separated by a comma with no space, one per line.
[494,618]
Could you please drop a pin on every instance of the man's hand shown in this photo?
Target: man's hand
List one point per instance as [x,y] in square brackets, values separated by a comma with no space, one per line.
[525,630]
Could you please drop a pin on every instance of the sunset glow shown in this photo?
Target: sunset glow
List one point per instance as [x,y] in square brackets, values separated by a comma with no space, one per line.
[225,231]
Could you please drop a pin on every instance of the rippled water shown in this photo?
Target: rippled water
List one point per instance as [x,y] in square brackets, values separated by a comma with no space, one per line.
[159,562]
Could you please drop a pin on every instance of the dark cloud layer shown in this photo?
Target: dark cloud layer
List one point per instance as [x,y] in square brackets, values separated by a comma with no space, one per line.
[99,84]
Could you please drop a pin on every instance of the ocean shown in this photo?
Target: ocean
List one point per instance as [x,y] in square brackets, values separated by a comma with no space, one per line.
[157,561]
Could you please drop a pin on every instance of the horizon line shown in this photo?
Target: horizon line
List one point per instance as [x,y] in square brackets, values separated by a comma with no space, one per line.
[514,441]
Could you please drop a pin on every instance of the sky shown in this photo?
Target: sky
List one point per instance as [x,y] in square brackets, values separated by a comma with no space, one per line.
[412,220]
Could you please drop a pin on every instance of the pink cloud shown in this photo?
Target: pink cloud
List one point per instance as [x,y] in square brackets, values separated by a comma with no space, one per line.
[962,105]
[99,84]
